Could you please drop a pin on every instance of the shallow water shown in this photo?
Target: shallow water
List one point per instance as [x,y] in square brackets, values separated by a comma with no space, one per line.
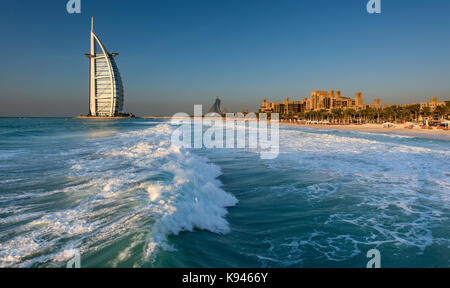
[121,194]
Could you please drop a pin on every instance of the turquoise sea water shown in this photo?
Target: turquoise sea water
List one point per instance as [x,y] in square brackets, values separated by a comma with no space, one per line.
[118,192]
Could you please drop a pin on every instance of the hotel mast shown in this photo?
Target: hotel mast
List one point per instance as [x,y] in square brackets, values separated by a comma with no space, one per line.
[106,88]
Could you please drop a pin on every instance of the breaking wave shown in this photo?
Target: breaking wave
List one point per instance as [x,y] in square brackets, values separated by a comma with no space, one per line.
[135,185]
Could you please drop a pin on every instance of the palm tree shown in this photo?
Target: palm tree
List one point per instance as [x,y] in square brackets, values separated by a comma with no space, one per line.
[301,115]
[340,114]
[442,111]
[290,116]
[395,109]
[388,114]
[308,116]
[426,112]
[379,113]
[415,110]
[368,114]
[337,114]
[404,114]
[350,114]
[372,114]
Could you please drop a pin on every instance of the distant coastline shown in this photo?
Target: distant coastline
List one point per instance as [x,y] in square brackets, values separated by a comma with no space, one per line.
[105,118]
[125,117]
[376,128]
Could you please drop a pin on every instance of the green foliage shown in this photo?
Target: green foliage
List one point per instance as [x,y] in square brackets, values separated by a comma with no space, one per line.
[395,113]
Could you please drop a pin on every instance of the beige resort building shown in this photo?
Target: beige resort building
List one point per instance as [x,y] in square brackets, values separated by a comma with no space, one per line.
[319,100]
[433,104]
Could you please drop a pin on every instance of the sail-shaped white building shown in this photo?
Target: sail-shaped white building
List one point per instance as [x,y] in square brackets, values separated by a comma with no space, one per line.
[106,88]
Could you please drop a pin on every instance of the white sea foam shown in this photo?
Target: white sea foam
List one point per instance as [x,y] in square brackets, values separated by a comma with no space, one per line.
[399,188]
[385,191]
[135,184]
[373,191]
[321,191]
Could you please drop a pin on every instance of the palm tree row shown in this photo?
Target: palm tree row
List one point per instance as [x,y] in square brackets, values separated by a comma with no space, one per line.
[394,113]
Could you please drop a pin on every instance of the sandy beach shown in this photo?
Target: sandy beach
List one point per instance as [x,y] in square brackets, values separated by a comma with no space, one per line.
[399,129]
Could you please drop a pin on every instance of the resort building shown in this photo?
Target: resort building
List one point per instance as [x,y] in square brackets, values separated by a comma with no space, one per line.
[433,104]
[318,101]
[285,107]
[106,88]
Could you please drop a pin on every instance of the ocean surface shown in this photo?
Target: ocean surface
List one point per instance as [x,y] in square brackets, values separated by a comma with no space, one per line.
[120,194]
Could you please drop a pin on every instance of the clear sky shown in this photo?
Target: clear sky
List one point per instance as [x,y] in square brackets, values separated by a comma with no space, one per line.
[174,54]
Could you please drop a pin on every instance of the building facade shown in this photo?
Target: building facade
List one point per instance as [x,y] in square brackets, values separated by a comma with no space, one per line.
[433,104]
[106,87]
[318,101]
[285,107]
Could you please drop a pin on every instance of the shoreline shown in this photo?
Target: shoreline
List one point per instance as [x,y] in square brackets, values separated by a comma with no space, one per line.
[376,128]
[397,129]
[103,118]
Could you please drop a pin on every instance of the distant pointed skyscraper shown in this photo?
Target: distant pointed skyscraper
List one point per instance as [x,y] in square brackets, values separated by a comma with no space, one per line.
[217,108]
[106,88]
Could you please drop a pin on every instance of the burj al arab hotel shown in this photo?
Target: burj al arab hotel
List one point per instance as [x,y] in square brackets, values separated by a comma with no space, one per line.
[106,88]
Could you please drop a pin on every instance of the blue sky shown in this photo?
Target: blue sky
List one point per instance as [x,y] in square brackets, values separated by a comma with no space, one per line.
[174,54]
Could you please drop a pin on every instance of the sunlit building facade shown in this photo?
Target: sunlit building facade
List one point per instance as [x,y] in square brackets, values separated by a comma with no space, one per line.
[106,87]
[433,104]
[318,101]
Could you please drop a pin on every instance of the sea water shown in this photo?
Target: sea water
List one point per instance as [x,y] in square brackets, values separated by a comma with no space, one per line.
[121,195]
